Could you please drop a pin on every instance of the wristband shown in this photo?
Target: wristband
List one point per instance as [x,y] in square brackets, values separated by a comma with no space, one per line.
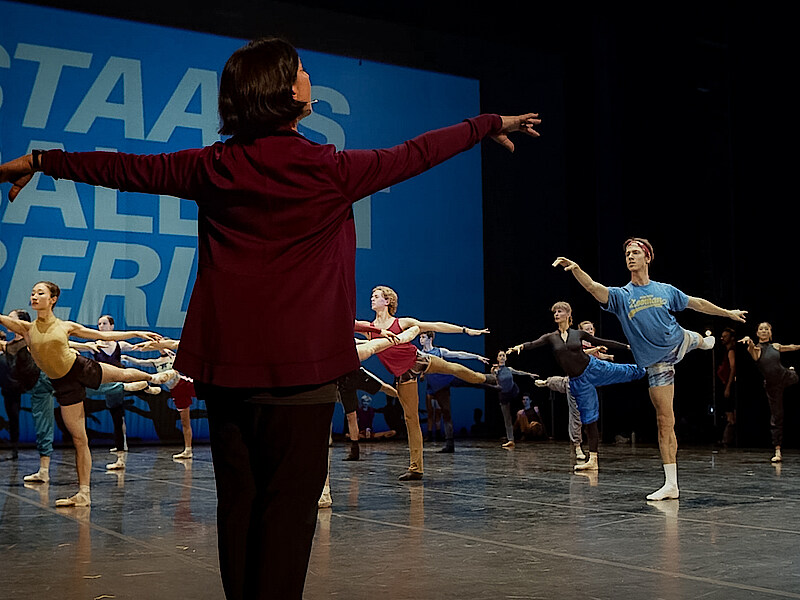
[463,330]
[37,159]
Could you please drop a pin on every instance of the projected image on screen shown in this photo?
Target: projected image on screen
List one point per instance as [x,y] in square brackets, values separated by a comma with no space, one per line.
[81,82]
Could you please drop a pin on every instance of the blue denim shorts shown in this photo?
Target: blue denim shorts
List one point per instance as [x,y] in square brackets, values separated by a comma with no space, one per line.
[663,372]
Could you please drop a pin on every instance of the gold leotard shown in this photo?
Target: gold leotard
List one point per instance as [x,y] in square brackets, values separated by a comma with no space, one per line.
[49,346]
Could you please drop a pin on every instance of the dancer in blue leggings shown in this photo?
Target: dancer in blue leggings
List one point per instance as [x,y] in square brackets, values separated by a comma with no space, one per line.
[585,373]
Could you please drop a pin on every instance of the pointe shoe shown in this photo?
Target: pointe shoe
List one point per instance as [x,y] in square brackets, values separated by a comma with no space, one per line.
[79,499]
[134,386]
[187,453]
[325,500]
[510,445]
[778,456]
[151,389]
[589,465]
[163,376]
[579,452]
[38,477]
[667,492]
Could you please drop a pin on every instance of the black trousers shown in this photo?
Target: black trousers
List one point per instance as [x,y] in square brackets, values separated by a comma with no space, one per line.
[12,400]
[270,464]
[775,399]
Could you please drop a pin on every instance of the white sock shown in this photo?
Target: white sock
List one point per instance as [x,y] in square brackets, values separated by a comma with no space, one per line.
[670,488]
[707,343]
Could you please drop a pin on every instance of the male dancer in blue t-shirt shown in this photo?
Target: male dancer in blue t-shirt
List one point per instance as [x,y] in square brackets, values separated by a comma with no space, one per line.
[657,341]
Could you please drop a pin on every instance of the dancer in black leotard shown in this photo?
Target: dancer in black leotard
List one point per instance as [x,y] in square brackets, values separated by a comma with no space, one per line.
[776,377]
[585,373]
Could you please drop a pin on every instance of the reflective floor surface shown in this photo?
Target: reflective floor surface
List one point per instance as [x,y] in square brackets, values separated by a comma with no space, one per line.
[484,523]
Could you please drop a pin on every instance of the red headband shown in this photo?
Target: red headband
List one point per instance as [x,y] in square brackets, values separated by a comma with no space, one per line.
[644,248]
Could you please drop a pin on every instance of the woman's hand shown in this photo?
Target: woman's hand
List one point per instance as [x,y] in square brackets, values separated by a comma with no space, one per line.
[18,172]
[524,123]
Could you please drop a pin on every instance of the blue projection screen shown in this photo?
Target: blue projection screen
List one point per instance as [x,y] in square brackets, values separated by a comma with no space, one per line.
[82,82]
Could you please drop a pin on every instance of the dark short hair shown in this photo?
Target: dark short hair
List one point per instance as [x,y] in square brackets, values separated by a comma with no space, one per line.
[255,91]
[54,289]
[430,334]
[731,330]
[22,314]
[109,317]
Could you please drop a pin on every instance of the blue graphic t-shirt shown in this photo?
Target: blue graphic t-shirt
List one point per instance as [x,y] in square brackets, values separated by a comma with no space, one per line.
[644,312]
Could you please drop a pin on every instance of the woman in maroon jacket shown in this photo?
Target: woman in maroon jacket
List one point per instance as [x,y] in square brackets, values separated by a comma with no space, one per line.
[275,232]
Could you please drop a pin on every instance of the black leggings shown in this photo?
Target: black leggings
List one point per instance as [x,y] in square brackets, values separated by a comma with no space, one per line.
[592,435]
[12,401]
[118,417]
[270,464]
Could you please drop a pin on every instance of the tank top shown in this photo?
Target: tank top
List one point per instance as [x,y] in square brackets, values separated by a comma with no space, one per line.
[437,381]
[769,363]
[115,358]
[49,346]
[505,379]
[400,358]
[724,368]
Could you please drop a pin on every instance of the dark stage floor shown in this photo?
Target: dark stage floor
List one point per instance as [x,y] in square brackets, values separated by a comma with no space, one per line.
[485,523]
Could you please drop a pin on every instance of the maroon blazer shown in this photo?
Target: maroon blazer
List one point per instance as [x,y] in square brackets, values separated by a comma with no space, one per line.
[276,241]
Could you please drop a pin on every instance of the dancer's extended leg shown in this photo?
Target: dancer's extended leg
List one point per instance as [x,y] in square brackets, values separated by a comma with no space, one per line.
[112,373]
[372,347]
[439,365]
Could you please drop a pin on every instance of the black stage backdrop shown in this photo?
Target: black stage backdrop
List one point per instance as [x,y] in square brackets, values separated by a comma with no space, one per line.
[674,123]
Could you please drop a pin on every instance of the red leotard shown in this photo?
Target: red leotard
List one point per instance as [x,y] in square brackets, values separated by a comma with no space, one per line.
[400,358]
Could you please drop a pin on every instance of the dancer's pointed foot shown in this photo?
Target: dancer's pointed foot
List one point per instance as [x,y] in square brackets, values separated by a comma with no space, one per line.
[134,386]
[163,376]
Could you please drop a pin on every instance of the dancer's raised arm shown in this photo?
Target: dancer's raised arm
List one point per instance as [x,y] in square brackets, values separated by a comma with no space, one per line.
[447,354]
[439,326]
[788,347]
[88,333]
[709,308]
[598,290]
[16,325]
[530,345]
